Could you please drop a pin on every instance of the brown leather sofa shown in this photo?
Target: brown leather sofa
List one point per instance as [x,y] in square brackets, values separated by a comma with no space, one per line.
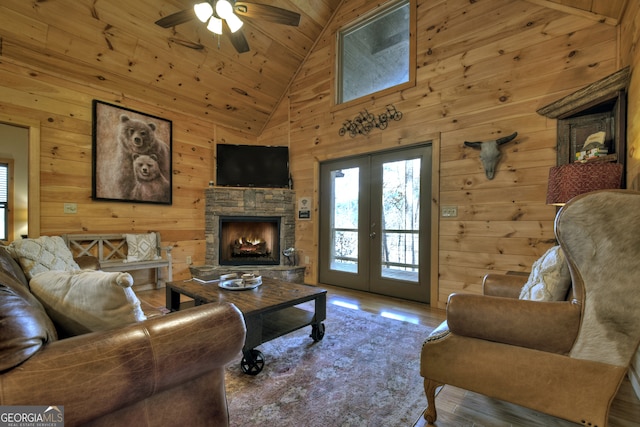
[564,358]
[165,371]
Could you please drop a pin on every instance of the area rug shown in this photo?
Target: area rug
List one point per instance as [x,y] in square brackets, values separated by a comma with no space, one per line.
[364,372]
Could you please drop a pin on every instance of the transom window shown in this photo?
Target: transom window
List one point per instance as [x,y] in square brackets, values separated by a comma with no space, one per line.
[374,54]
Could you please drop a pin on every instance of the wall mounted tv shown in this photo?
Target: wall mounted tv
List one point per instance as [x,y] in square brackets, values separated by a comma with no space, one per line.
[252,166]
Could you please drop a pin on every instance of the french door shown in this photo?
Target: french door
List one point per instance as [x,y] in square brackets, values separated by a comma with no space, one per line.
[374,223]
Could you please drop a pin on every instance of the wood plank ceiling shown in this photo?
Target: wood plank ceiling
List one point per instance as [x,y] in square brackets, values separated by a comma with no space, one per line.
[609,11]
[115,44]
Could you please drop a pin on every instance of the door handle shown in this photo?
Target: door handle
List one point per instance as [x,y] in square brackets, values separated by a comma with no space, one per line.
[372,235]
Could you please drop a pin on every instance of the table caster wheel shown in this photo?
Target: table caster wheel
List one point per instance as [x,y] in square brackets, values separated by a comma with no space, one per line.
[317,332]
[252,362]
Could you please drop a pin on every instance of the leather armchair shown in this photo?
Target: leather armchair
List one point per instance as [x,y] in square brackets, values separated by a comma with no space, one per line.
[564,358]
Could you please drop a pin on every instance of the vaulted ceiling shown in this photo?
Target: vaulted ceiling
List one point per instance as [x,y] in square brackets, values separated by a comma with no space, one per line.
[117,45]
[609,11]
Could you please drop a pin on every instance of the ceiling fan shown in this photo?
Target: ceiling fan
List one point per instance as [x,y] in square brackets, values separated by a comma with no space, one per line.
[223,16]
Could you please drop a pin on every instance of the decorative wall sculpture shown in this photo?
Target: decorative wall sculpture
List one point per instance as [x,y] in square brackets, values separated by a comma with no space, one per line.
[364,122]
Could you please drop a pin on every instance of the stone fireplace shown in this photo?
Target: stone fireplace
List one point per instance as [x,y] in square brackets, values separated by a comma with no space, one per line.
[233,215]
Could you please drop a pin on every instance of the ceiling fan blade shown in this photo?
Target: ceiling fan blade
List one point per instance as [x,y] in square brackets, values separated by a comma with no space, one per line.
[238,40]
[187,43]
[266,12]
[176,18]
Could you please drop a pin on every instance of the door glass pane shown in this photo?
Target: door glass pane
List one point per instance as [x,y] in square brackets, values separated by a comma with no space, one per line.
[400,219]
[345,187]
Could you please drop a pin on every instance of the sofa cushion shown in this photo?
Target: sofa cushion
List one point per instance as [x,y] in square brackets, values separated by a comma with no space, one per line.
[142,247]
[24,324]
[43,254]
[85,301]
[549,279]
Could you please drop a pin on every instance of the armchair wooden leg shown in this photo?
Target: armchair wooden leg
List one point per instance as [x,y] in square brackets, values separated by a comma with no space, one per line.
[430,387]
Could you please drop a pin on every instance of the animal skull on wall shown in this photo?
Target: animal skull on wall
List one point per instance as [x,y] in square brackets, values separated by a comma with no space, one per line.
[490,152]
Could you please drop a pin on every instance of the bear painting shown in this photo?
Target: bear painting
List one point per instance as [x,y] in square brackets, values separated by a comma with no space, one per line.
[132,158]
[149,184]
[137,137]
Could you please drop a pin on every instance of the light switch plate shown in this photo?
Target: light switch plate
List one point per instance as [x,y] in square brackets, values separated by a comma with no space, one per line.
[71,208]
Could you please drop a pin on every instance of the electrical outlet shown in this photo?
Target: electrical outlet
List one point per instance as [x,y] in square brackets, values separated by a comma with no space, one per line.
[189,260]
[71,208]
[306,259]
[449,211]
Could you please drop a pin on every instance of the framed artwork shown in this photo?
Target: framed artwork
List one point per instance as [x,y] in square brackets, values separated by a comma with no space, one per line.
[131,155]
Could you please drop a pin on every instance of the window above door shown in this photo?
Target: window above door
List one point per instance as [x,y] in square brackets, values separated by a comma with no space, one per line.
[376,54]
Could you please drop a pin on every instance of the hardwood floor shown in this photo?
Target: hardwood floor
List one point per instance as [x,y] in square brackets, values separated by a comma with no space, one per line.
[456,407]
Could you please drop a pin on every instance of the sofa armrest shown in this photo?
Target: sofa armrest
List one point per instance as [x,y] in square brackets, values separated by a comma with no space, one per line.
[545,326]
[96,374]
[503,285]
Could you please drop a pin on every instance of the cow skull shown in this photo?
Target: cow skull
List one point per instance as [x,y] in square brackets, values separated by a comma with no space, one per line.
[490,152]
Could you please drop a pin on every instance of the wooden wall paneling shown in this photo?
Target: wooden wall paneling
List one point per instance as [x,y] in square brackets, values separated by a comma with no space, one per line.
[604,11]
[525,246]
[484,260]
[473,81]
[483,68]
[59,67]
[215,105]
[613,9]
[630,53]
[16,23]
[277,130]
[65,159]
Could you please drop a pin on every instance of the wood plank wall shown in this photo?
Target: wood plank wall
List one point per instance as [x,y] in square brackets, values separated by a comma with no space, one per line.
[63,109]
[483,68]
[630,55]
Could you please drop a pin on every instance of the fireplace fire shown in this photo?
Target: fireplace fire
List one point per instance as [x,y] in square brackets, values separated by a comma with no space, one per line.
[249,240]
[249,247]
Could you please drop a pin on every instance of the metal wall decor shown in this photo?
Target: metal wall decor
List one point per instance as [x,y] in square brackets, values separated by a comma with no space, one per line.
[364,122]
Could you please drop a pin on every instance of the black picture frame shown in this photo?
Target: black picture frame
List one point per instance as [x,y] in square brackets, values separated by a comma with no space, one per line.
[132,155]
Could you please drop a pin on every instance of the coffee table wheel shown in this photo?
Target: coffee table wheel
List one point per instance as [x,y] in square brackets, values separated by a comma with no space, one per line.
[253,362]
[317,332]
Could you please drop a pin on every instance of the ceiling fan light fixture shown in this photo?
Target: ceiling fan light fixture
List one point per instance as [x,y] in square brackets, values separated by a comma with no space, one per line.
[215,25]
[224,9]
[234,23]
[203,11]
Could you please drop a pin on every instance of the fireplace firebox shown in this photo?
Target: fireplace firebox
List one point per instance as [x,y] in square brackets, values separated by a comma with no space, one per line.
[249,240]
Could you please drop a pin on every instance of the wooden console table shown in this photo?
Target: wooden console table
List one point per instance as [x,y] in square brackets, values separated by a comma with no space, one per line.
[269,311]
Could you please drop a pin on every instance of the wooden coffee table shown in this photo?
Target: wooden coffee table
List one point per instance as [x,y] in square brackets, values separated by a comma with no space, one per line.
[269,311]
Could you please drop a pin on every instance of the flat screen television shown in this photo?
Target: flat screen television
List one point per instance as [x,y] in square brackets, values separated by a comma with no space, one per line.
[252,166]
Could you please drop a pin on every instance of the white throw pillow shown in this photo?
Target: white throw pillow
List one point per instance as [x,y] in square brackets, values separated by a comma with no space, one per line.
[549,279]
[142,247]
[87,300]
[43,254]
